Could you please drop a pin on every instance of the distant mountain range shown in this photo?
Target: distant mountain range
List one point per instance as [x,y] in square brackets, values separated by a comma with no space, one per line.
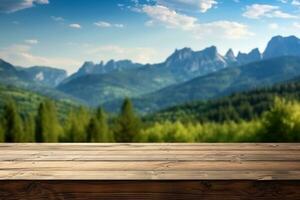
[46,76]
[184,76]
[89,68]
[42,80]
[221,83]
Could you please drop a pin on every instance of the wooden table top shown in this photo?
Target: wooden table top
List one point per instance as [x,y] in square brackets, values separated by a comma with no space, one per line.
[150,161]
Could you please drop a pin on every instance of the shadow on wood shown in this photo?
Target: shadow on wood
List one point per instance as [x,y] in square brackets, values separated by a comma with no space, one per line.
[185,190]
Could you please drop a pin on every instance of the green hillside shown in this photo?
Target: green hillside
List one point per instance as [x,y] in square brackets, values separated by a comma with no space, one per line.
[29,101]
[99,88]
[236,107]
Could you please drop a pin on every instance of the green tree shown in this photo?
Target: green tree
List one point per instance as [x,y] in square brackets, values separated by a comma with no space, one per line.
[48,128]
[106,133]
[282,122]
[13,128]
[94,131]
[98,130]
[128,123]
[76,125]
[29,128]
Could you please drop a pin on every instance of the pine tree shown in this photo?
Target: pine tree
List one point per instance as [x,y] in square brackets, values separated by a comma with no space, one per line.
[48,128]
[93,131]
[98,130]
[77,123]
[106,134]
[128,124]
[29,128]
[13,129]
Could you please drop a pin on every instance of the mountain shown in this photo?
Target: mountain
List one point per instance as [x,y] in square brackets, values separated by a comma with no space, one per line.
[230,57]
[89,68]
[97,84]
[186,63]
[10,75]
[47,76]
[253,56]
[221,83]
[95,89]
[6,69]
[100,83]
[19,77]
[282,46]
[238,106]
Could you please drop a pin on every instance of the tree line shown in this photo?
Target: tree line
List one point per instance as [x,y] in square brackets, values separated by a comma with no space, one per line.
[281,123]
[81,125]
[249,105]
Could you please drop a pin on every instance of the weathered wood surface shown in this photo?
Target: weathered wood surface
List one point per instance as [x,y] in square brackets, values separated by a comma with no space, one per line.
[150,162]
[146,190]
[149,171]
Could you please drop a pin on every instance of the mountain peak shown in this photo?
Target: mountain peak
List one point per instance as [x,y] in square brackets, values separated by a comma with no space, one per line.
[230,53]
[252,56]
[229,56]
[183,50]
[212,50]
[87,67]
[179,55]
[6,66]
[282,46]
[255,54]
[279,37]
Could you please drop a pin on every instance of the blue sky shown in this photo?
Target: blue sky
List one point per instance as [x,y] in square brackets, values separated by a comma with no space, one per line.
[65,33]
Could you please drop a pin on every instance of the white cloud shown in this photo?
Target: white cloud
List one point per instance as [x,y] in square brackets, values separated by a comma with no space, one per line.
[10,6]
[104,24]
[169,17]
[58,19]
[273,26]
[172,19]
[31,41]
[224,29]
[296,25]
[200,5]
[296,2]
[119,25]
[76,26]
[21,55]
[257,11]
[205,5]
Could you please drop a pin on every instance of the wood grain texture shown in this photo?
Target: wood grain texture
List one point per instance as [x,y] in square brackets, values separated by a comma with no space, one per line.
[179,190]
[150,161]
[149,171]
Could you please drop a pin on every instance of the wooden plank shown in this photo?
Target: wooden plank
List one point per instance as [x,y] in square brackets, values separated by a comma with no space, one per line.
[155,147]
[150,161]
[28,153]
[149,175]
[149,190]
[151,166]
[149,171]
[232,157]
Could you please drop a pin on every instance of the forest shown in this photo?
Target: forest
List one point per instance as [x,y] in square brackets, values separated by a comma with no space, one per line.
[279,123]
